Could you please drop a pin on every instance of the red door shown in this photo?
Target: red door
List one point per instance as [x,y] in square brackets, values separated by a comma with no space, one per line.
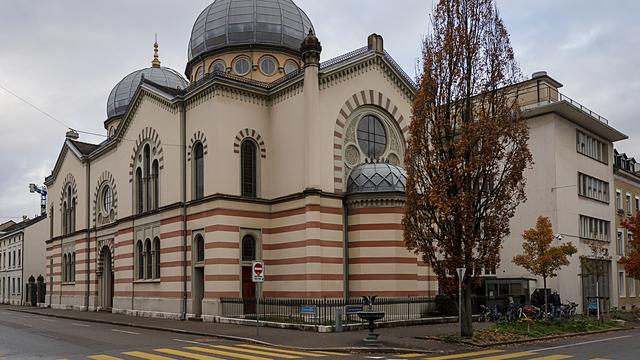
[248,291]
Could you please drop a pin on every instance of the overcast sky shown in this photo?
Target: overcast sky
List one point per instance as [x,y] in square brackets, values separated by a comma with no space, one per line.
[65,57]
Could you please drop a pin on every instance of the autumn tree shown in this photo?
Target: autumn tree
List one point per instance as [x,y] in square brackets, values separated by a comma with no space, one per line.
[631,261]
[468,146]
[540,257]
[595,266]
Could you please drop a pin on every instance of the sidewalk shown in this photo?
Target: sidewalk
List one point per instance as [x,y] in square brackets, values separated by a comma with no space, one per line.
[400,339]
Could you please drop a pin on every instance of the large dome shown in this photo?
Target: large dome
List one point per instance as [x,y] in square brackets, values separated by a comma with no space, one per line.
[376,177]
[123,92]
[249,22]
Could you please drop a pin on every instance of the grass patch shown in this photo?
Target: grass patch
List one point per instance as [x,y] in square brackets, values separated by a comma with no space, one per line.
[506,331]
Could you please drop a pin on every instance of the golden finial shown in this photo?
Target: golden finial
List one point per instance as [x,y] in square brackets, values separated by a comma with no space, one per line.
[156,61]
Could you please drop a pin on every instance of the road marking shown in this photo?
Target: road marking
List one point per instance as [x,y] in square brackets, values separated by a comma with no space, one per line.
[331,353]
[147,356]
[125,332]
[103,357]
[81,325]
[192,342]
[258,352]
[508,356]
[408,356]
[49,320]
[583,343]
[553,357]
[460,356]
[226,353]
[187,355]
[281,350]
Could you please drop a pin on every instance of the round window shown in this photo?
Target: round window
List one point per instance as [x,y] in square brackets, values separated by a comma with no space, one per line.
[218,66]
[199,73]
[290,67]
[268,65]
[372,136]
[106,200]
[242,66]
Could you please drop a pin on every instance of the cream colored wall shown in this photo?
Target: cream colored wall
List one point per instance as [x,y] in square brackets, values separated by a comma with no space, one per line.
[35,237]
[70,165]
[625,186]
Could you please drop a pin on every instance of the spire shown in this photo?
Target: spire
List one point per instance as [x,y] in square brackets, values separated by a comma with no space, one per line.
[156,62]
[311,49]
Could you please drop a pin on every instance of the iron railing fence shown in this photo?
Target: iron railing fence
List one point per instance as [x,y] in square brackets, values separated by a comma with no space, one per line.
[323,311]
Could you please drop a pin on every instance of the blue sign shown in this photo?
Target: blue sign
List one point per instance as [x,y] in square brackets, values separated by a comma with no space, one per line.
[308,309]
[352,309]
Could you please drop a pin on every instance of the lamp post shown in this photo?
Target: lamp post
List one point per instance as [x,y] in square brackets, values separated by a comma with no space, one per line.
[460,272]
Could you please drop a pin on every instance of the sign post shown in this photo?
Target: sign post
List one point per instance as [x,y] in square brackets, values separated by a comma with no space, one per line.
[257,275]
[460,272]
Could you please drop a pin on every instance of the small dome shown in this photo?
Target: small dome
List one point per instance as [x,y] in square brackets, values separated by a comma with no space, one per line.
[376,177]
[249,22]
[123,92]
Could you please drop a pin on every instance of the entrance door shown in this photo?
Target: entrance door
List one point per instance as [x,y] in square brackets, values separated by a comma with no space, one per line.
[248,291]
[198,291]
[106,281]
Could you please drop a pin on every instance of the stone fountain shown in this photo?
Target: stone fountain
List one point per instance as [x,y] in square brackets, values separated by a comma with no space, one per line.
[370,316]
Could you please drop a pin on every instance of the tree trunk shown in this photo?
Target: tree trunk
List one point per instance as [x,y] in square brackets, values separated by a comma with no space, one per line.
[546,298]
[466,319]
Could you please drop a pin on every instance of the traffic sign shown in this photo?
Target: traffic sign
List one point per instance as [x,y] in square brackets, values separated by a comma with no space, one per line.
[257,271]
[308,309]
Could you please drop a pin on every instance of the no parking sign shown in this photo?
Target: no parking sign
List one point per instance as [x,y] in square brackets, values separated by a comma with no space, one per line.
[257,271]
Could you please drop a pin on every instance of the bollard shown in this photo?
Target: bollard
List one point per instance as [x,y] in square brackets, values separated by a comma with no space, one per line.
[339,320]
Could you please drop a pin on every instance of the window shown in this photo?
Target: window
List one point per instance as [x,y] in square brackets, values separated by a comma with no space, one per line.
[591,147]
[637,203]
[632,287]
[290,66]
[627,248]
[268,65]
[139,191]
[618,200]
[73,267]
[248,248]
[242,66]
[147,259]
[620,242]
[198,170]
[199,74]
[106,200]
[19,287]
[248,168]
[147,181]
[199,248]
[372,136]
[594,229]
[147,171]
[218,66]
[155,191]
[621,282]
[629,204]
[19,257]
[140,257]
[64,268]
[593,188]
[156,258]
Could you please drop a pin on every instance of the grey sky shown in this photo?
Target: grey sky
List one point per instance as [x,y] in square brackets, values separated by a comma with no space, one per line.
[65,57]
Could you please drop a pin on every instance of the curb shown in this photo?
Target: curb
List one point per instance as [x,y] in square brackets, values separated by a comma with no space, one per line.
[531,340]
[355,349]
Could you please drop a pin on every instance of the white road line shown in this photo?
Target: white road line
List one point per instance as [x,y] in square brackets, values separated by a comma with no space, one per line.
[125,332]
[49,320]
[583,343]
[81,325]
[192,342]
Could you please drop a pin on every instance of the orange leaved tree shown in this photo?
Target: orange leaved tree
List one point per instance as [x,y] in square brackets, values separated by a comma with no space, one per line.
[631,260]
[540,257]
[468,146]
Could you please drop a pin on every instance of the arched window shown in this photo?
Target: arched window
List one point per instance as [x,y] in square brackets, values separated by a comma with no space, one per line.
[64,268]
[140,257]
[73,214]
[198,170]
[156,258]
[248,248]
[248,168]
[139,191]
[199,248]
[64,218]
[147,173]
[147,259]
[73,266]
[156,185]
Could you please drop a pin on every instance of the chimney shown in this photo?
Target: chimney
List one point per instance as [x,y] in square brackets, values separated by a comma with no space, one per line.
[375,43]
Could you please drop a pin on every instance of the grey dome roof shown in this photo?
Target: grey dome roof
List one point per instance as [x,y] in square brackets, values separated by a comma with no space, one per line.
[248,22]
[376,177]
[122,93]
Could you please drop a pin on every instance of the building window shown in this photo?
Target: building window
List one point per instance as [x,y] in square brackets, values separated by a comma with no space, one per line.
[147,181]
[621,282]
[242,65]
[618,200]
[627,247]
[218,66]
[64,268]
[199,248]
[198,170]
[637,204]
[139,191]
[248,248]
[594,229]
[156,258]
[591,147]
[632,287]
[147,171]
[268,65]
[248,168]
[372,137]
[19,257]
[593,188]
[290,67]
[155,187]
[199,74]
[620,242]
[107,200]
[147,259]
[140,258]
[73,266]
[629,204]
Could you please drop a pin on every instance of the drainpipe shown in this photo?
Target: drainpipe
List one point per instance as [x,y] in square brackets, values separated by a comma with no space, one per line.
[88,254]
[345,249]
[183,165]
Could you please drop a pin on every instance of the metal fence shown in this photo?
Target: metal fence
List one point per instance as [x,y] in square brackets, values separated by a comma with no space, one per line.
[323,311]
